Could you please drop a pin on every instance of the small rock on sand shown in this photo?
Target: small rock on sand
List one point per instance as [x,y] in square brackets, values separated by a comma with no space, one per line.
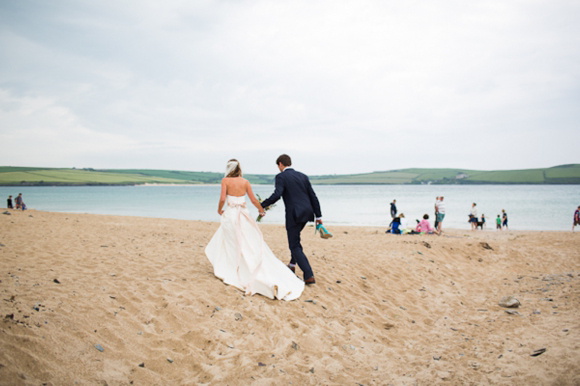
[509,302]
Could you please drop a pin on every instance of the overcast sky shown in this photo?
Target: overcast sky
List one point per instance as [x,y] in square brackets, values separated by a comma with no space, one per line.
[341,86]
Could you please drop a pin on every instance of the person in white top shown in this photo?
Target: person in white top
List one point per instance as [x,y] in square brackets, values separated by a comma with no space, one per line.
[440,213]
[473,217]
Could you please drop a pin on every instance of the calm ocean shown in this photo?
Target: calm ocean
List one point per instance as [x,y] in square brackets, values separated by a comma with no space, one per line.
[529,207]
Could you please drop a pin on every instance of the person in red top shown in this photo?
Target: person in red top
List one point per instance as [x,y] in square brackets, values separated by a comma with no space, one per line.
[576,218]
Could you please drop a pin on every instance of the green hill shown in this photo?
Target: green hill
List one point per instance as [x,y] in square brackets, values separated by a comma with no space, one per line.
[563,174]
[51,177]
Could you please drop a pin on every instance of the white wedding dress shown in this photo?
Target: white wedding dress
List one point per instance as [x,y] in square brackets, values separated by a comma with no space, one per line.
[241,258]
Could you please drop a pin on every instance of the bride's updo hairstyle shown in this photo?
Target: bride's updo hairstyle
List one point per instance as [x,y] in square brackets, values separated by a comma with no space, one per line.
[233,168]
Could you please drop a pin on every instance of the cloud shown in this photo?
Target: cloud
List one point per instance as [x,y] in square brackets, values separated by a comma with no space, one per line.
[342,86]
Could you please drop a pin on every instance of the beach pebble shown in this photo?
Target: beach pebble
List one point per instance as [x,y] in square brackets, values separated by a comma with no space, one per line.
[142,364]
[538,352]
[388,326]
[261,364]
[310,301]
[509,302]
[56,281]
[512,312]
[486,246]
[437,358]
[169,360]
[8,213]
[238,316]
[295,345]
[536,312]
[218,308]
[99,347]
[312,370]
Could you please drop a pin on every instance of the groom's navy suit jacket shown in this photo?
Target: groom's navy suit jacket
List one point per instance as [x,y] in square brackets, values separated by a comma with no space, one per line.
[299,198]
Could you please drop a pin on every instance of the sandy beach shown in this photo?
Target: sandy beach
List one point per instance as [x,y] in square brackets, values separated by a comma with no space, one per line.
[92,299]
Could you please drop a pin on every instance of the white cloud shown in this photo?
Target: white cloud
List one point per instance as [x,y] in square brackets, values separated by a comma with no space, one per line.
[344,86]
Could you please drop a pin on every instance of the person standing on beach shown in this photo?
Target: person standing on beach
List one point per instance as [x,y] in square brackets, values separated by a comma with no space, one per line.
[498,223]
[504,219]
[439,215]
[10,206]
[394,209]
[473,217]
[576,218]
[18,201]
[436,202]
[301,206]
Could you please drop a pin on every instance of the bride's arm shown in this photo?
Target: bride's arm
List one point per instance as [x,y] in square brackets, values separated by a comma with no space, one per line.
[253,198]
[222,197]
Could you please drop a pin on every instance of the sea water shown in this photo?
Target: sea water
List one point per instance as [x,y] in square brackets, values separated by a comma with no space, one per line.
[529,207]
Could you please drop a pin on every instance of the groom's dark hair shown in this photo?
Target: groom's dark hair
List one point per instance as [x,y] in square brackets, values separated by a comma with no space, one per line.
[285,159]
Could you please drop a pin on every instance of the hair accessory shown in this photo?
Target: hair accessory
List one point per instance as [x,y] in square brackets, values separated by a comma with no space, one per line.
[230,167]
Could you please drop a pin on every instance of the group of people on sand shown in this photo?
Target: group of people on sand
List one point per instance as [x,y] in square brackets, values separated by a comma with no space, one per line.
[18,201]
[399,226]
[476,222]
[398,223]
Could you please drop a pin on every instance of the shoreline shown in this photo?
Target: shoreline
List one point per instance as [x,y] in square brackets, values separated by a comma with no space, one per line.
[308,225]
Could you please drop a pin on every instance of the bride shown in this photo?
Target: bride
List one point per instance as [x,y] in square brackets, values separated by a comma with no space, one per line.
[237,250]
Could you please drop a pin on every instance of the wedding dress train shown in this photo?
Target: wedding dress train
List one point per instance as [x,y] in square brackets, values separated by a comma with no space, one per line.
[241,258]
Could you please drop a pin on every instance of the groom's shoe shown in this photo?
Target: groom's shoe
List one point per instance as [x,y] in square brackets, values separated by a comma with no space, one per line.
[310,280]
[292,268]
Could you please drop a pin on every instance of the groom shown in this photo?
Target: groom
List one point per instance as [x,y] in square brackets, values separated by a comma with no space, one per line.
[301,206]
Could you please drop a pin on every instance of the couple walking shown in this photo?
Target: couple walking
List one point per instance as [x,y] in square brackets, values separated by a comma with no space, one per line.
[237,251]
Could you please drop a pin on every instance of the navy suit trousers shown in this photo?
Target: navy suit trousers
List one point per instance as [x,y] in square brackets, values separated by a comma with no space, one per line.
[298,256]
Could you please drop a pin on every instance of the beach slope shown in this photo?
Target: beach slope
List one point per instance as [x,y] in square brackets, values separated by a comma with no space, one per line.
[123,300]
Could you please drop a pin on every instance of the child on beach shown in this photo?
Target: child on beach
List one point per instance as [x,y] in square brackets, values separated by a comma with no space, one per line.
[18,201]
[504,219]
[481,224]
[9,202]
[498,223]
[576,218]
[424,226]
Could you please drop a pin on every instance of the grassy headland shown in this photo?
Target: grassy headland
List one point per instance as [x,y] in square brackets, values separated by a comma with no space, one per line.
[23,176]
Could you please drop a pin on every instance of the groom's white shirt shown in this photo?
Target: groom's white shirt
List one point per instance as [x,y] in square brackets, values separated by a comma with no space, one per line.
[290,167]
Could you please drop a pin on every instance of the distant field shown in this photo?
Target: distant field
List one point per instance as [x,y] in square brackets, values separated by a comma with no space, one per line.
[36,176]
[564,174]
[197,177]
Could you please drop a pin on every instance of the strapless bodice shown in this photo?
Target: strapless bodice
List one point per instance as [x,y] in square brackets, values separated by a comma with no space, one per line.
[236,201]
